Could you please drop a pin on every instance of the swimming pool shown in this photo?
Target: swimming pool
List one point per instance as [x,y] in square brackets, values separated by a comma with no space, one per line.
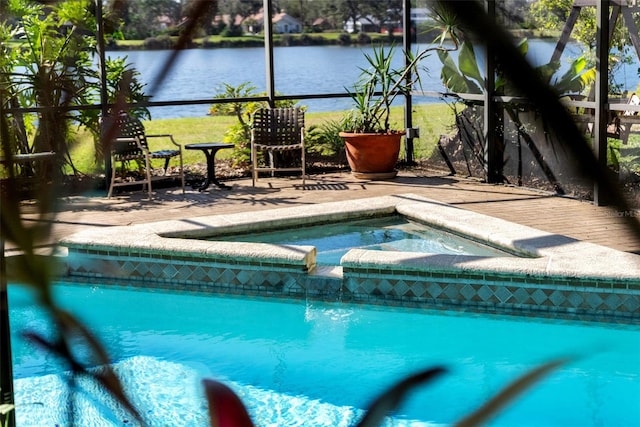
[318,364]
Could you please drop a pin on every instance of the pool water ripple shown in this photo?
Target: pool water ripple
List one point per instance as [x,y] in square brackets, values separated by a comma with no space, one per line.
[171,394]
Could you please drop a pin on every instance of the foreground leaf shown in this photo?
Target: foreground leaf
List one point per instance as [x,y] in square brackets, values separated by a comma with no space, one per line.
[513,390]
[225,407]
[71,329]
[390,399]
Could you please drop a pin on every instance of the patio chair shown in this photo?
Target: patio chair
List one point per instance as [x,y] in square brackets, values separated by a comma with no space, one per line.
[276,134]
[131,144]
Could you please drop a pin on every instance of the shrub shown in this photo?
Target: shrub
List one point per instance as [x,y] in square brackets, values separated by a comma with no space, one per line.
[344,39]
[363,38]
[286,40]
[324,139]
[231,31]
[157,43]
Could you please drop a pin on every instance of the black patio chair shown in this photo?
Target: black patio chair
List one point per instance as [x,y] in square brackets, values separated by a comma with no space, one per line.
[131,144]
[275,131]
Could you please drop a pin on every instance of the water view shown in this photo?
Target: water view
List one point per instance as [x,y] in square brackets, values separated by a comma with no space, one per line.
[200,73]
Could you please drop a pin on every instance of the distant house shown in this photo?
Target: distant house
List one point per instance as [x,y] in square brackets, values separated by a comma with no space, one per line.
[421,16]
[363,24]
[321,24]
[164,22]
[369,24]
[285,24]
[228,20]
[282,23]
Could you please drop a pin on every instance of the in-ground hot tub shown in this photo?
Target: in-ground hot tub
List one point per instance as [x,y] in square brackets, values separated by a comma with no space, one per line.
[396,233]
[552,275]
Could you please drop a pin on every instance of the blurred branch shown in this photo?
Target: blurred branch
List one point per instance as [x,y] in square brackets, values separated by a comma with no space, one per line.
[200,8]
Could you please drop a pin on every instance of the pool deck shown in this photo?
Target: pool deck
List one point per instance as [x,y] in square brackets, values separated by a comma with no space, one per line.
[553,214]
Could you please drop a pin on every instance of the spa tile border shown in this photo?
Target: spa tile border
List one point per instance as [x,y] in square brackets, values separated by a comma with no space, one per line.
[556,277]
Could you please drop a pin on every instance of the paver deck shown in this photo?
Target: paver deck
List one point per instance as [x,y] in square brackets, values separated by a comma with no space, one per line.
[559,215]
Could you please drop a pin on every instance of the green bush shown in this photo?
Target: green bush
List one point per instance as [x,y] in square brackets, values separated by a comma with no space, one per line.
[363,38]
[158,43]
[324,138]
[344,39]
[231,31]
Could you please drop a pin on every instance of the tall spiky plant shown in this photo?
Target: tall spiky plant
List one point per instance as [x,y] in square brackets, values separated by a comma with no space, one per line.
[379,84]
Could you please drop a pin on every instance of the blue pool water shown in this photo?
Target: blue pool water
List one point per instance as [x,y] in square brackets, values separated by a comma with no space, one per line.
[316,364]
[388,233]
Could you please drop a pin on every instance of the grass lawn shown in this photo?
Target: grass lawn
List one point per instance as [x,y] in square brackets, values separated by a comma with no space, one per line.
[432,119]
[248,40]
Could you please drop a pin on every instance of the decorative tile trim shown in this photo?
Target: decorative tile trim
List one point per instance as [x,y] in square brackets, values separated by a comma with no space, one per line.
[558,276]
[565,298]
[485,293]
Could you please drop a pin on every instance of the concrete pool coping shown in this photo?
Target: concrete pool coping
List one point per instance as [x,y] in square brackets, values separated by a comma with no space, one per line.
[548,261]
[546,253]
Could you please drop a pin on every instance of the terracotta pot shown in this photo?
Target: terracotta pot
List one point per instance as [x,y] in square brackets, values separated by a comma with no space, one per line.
[372,155]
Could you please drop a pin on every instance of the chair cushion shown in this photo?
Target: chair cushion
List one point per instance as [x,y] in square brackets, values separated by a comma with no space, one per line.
[128,156]
[278,147]
[164,154]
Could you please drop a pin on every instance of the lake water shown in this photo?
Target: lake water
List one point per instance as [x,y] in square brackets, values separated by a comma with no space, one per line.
[200,73]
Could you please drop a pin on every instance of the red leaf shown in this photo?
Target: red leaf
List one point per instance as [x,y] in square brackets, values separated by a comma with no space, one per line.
[225,407]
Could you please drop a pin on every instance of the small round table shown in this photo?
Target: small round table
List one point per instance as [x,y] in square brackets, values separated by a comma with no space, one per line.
[210,149]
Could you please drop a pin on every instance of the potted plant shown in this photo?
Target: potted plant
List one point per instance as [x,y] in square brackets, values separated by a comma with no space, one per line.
[372,146]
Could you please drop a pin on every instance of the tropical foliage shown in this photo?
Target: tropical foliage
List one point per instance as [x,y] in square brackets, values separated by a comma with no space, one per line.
[465,76]
[52,71]
[553,14]
[376,89]
[325,138]
[379,84]
[44,82]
